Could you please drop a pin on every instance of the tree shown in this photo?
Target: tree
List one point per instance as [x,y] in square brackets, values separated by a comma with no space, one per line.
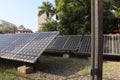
[50,26]
[46,8]
[117,13]
[21,27]
[74,16]
[9,29]
[110,14]
[117,17]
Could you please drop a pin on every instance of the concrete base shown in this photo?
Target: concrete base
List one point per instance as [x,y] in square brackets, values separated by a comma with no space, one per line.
[66,55]
[25,70]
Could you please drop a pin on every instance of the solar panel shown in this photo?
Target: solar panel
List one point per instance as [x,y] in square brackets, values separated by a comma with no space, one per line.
[107,47]
[16,45]
[72,43]
[31,51]
[80,44]
[27,47]
[116,44]
[84,46]
[6,40]
[110,45]
[65,43]
[58,43]
[1,35]
[50,45]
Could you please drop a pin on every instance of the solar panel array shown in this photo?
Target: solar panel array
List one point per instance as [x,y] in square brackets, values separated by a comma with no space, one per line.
[25,47]
[65,43]
[82,44]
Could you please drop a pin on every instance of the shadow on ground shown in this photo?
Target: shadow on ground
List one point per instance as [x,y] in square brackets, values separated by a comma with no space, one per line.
[50,67]
[60,66]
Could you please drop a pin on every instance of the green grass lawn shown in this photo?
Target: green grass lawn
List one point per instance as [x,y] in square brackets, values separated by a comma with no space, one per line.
[70,69]
[9,72]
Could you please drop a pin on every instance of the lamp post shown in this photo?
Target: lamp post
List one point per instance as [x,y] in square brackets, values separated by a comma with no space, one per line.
[96,39]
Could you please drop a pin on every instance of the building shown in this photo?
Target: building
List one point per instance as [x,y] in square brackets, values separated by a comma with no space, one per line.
[41,20]
[4,23]
[21,31]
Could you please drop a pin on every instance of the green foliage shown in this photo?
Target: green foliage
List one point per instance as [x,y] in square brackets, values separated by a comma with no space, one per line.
[41,79]
[8,29]
[9,72]
[50,26]
[75,16]
[21,27]
[11,29]
[110,13]
[1,32]
[117,13]
[46,8]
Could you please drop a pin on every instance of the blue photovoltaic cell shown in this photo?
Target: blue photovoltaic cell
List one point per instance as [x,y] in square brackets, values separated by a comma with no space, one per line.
[35,48]
[58,43]
[50,45]
[28,47]
[107,47]
[69,42]
[75,43]
[116,45]
[25,47]
[72,43]
[6,40]
[16,45]
[84,46]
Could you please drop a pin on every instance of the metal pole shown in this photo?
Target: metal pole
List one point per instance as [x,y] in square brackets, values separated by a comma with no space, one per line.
[96,39]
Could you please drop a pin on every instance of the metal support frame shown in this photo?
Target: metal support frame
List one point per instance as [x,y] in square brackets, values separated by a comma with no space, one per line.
[96,39]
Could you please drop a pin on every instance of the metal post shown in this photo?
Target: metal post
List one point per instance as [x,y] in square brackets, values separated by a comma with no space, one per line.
[96,39]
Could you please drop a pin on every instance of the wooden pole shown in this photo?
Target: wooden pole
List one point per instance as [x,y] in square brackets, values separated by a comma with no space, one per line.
[96,39]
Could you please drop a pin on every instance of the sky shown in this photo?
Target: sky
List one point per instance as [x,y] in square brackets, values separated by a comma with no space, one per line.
[21,12]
